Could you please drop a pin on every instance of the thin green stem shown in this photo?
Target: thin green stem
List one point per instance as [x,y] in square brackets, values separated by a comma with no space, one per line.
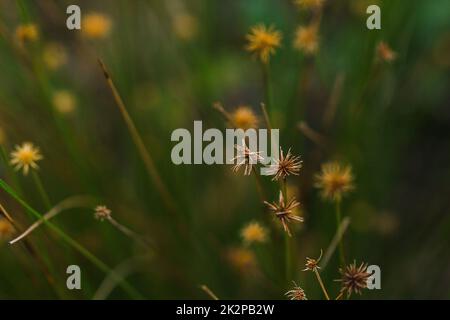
[152,171]
[266,83]
[74,244]
[259,185]
[41,190]
[288,256]
[338,223]
[284,188]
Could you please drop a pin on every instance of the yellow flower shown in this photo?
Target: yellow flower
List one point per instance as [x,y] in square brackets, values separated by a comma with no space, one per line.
[54,56]
[6,229]
[244,118]
[307,39]
[27,33]
[96,25]
[25,156]
[385,53]
[263,41]
[254,232]
[334,181]
[185,26]
[64,101]
[309,4]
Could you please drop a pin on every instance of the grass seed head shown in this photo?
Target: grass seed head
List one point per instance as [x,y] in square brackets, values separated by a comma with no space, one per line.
[285,166]
[296,293]
[283,210]
[102,213]
[353,278]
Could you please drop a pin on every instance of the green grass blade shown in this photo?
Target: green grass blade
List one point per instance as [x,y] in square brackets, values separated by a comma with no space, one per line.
[74,244]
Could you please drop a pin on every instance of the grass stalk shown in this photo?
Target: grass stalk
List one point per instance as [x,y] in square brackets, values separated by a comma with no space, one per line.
[338,223]
[41,190]
[322,286]
[71,242]
[139,142]
[208,292]
[259,186]
[334,243]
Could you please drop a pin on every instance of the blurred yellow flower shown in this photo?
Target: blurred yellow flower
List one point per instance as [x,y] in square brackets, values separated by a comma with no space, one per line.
[27,33]
[307,39]
[309,4]
[54,55]
[254,232]
[242,259]
[64,101]
[244,118]
[385,53]
[96,25]
[185,26]
[6,229]
[334,180]
[263,41]
[25,156]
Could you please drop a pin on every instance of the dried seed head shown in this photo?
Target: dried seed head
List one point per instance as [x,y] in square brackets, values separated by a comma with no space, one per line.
[313,264]
[246,158]
[296,293]
[102,213]
[25,157]
[334,181]
[254,233]
[285,166]
[283,210]
[353,278]
[263,42]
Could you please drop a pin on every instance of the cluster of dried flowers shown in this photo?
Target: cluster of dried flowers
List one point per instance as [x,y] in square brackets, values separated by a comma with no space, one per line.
[334,181]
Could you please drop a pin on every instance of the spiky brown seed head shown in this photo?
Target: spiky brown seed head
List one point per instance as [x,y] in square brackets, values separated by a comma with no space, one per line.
[353,278]
[283,210]
[296,293]
[285,166]
[313,264]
